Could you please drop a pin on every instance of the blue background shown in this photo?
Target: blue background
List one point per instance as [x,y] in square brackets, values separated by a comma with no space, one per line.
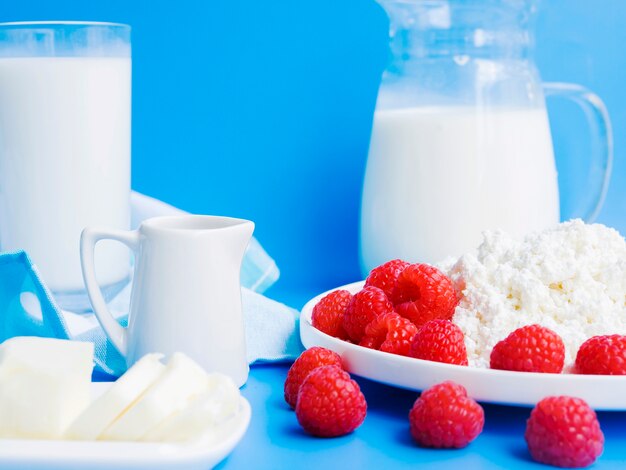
[262,109]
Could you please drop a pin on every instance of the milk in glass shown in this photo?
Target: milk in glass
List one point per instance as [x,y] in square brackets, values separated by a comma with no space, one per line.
[65,161]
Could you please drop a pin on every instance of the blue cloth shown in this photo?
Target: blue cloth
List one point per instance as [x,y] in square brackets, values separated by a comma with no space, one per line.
[25,302]
[27,307]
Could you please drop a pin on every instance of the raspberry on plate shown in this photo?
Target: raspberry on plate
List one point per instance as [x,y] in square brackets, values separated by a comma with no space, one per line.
[308,361]
[390,333]
[440,341]
[330,403]
[602,355]
[564,431]
[531,348]
[365,305]
[445,417]
[327,315]
[424,293]
[385,276]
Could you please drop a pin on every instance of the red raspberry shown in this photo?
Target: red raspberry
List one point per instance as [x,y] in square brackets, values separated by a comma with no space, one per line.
[564,431]
[366,305]
[308,361]
[602,355]
[445,417]
[384,276]
[440,341]
[389,332]
[328,313]
[424,293]
[531,348]
[330,403]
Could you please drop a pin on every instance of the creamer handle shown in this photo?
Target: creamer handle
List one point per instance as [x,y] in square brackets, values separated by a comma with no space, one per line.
[88,239]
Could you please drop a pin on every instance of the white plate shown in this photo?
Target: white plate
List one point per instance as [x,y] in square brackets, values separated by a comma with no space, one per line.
[486,385]
[83,455]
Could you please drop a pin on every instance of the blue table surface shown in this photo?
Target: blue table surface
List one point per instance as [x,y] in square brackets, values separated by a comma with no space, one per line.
[274,439]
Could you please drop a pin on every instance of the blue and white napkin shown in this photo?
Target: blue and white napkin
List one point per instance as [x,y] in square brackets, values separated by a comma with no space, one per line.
[28,309]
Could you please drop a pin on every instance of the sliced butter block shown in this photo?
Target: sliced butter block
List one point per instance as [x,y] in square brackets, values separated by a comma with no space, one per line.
[205,413]
[181,380]
[117,399]
[45,384]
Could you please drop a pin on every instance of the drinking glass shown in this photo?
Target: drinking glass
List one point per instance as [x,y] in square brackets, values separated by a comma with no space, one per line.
[65,107]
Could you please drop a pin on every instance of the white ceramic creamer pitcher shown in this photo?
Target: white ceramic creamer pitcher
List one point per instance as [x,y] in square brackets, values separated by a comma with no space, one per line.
[460,139]
[186,293]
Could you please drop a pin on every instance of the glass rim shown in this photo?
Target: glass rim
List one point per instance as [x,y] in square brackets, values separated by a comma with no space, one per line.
[64,23]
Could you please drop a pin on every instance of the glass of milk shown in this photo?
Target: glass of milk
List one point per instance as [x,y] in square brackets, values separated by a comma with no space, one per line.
[460,139]
[65,105]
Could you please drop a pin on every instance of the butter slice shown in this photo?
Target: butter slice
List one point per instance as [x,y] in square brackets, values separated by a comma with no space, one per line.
[117,399]
[204,414]
[179,383]
[45,384]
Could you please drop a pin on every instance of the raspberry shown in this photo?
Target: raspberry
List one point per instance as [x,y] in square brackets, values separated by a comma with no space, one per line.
[384,276]
[328,313]
[531,348]
[308,361]
[440,341]
[424,293]
[564,431]
[389,332]
[330,403]
[445,417]
[602,355]
[366,305]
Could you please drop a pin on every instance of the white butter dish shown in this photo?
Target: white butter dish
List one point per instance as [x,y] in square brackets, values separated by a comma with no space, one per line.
[202,453]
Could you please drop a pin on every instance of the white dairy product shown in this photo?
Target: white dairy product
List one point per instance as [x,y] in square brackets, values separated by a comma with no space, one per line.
[437,177]
[122,395]
[180,382]
[44,385]
[571,279]
[65,161]
[45,391]
[204,416]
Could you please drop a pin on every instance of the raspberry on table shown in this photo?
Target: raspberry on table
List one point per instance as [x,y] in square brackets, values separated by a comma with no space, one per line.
[531,348]
[440,341]
[602,355]
[308,361]
[390,333]
[385,276]
[445,417]
[424,293]
[327,315]
[565,432]
[365,305]
[330,403]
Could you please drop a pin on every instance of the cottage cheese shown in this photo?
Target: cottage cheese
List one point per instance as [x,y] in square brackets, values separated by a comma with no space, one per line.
[571,279]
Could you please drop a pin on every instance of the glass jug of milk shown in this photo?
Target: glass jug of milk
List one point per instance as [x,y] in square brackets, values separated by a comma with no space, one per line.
[460,139]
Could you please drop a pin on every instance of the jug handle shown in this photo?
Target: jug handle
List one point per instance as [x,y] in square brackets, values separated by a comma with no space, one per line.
[88,239]
[600,123]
